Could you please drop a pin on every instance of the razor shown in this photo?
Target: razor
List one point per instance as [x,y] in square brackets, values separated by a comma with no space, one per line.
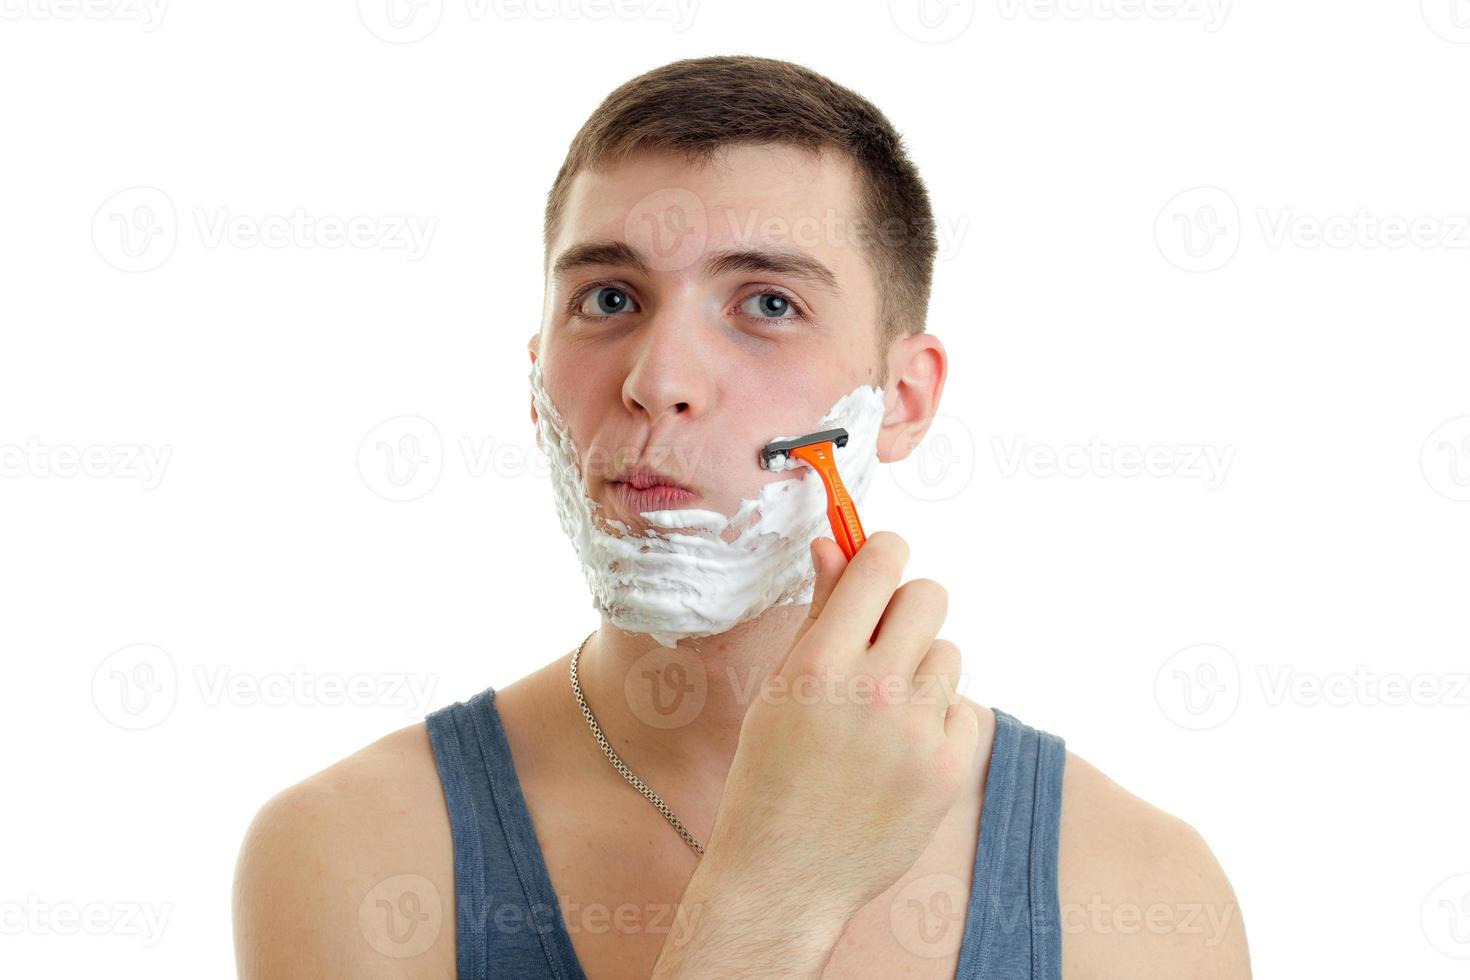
[817,451]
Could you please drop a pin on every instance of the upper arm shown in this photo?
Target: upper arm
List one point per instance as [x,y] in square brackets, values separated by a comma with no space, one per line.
[292,892]
[1142,893]
[347,874]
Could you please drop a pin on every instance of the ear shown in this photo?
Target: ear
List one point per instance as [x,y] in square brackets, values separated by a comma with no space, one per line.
[917,367]
[533,347]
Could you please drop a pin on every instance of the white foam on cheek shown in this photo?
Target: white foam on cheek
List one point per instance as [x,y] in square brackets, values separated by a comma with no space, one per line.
[682,577]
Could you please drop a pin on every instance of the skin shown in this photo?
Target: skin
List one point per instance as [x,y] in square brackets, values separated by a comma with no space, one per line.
[691,372]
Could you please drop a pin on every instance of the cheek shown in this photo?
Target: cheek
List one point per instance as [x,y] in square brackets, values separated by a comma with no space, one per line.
[790,398]
[575,386]
[778,412]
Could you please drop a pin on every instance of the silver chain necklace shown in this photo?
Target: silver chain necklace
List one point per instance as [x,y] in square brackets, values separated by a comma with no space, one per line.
[612,757]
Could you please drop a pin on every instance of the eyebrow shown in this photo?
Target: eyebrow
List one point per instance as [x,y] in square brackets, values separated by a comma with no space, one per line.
[773,260]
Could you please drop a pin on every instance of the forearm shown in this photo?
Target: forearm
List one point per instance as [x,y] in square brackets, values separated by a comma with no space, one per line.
[747,927]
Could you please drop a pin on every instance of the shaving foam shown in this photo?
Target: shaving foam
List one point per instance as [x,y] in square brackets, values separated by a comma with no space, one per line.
[693,572]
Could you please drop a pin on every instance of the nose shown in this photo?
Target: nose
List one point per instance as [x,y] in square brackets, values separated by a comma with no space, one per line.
[673,369]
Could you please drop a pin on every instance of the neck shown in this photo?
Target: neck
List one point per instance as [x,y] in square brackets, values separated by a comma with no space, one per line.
[673,714]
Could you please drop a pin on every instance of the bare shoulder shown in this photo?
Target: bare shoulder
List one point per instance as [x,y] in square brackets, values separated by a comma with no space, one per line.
[350,872]
[1141,892]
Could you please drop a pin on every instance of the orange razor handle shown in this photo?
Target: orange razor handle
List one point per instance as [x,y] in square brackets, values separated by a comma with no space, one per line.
[841,511]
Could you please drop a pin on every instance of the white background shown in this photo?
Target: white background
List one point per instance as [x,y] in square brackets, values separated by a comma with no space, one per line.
[1128,197]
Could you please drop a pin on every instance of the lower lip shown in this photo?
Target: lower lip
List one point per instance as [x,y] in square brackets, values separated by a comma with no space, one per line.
[651,498]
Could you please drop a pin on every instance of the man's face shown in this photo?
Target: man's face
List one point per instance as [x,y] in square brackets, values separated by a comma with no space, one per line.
[695,313]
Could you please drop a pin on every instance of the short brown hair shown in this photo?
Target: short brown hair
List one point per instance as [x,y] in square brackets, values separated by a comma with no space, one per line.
[698,105]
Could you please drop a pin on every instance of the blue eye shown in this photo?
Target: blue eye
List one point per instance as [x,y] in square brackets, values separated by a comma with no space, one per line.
[600,302]
[605,301]
[772,306]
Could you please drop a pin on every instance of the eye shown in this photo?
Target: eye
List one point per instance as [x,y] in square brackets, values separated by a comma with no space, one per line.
[772,306]
[602,301]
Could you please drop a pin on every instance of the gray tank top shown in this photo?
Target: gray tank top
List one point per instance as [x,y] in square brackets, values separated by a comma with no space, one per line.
[509,924]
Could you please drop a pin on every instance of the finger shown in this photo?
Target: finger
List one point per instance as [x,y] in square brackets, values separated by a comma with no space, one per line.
[830,563]
[849,618]
[962,727]
[909,624]
[937,679]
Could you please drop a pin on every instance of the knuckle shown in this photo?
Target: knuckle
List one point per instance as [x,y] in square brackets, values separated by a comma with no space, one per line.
[945,654]
[813,659]
[879,569]
[931,590]
[890,544]
[875,693]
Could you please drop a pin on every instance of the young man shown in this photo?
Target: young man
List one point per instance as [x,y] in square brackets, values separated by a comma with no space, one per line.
[757,765]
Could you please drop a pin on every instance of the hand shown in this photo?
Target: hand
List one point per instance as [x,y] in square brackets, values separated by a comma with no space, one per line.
[857,745]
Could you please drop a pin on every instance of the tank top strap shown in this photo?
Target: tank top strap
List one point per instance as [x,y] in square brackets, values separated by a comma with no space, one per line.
[1013,929]
[508,922]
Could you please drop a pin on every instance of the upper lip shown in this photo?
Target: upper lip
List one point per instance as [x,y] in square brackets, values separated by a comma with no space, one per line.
[643,477]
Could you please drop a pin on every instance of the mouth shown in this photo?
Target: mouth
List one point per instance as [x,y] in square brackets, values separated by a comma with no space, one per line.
[642,488]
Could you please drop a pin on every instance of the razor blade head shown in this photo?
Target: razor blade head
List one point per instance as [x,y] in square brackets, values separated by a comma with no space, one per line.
[773,452]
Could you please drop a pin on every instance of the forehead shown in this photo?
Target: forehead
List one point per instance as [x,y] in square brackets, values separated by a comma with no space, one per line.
[674,210]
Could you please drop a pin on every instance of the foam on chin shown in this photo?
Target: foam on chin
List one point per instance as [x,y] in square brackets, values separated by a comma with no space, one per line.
[681,577]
